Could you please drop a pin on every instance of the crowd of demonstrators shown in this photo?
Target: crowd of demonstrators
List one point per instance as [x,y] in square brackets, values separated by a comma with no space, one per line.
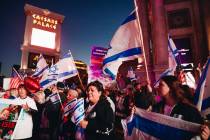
[53,109]
[104,108]
[175,104]
[173,100]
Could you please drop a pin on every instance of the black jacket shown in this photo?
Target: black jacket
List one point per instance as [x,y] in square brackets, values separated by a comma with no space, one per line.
[100,121]
[188,112]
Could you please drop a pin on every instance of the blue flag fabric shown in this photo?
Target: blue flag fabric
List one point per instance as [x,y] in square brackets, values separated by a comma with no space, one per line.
[146,125]
[125,45]
[41,67]
[63,69]
[202,94]
[173,55]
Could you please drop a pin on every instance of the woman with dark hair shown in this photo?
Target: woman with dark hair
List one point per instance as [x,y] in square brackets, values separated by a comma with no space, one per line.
[99,120]
[176,105]
[188,93]
[25,124]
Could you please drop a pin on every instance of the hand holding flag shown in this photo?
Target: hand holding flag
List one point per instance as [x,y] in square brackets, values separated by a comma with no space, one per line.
[79,112]
[69,107]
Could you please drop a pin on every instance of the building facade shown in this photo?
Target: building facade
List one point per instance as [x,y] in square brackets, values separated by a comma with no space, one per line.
[42,36]
[186,21]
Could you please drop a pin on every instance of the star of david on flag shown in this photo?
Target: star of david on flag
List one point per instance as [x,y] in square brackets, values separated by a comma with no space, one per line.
[79,112]
[63,69]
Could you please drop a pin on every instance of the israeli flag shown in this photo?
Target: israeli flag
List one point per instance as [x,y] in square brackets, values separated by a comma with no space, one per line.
[202,93]
[63,69]
[169,71]
[41,67]
[190,80]
[125,45]
[144,125]
[173,54]
[54,98]
[173,60]
[79,111]
[69,108]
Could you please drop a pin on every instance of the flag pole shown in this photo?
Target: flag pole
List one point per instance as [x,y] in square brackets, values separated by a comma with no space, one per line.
[77,73]
[52,62]
[140,38]
[81,82]
[60,101]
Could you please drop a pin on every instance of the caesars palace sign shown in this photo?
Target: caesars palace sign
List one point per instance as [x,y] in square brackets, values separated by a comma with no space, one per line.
[44,21]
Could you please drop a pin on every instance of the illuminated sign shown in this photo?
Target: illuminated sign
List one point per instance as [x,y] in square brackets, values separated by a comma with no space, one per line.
[44,21]
[43,38]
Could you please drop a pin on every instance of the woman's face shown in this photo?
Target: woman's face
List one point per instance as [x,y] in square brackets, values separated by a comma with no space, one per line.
[4,115]
[163,88]
[22,92]
[138,87]
[14,92]
[93,94]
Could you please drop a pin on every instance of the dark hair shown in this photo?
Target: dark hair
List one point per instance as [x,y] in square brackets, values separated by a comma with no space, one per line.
[188,93]
[145,100]
[97,84]
[47,92]
[21,86]
[60,85]
[175,90]
[136,83]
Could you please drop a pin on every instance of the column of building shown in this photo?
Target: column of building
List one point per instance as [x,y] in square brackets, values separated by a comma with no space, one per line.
[159,36]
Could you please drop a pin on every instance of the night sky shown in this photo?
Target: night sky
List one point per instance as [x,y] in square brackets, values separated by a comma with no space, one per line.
[87,23]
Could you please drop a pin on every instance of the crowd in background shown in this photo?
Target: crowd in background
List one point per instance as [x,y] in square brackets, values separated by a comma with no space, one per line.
[105,107]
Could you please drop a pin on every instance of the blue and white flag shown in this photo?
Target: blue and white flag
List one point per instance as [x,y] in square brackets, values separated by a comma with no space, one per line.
[190,80]
[79,111]
[41,67]
[173,60]
[63,69]
[202,93]
[173,54]
[169,71]
[69,108]
[125,45]
[144,125]
[54,98]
